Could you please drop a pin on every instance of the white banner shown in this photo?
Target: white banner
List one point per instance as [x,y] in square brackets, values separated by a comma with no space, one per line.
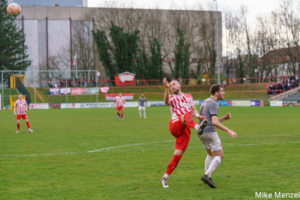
[96,105]
[54,91]
[65,91]
[275,103]
[38,106]
[156,103]
[86,105]
[69,105]
[240,103]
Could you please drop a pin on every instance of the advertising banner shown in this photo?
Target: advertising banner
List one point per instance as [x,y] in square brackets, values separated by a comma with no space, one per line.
[96,105]
[256,103]
[156,103]
[276,103]
[91,90]
[104,89]
[55,105]
[113,96]
[290,104]
[87,105]
[69,105]
[77,91]
[65,91]
[240,103]
[38,106]
[225,103]
[54,91]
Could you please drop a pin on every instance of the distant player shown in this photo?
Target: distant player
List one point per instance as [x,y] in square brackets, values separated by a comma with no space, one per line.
[141,105]
[182,108]
[119,102]
[21,106]
[210,138]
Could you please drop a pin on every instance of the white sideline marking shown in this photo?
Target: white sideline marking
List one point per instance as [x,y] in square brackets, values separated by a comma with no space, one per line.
[111,149]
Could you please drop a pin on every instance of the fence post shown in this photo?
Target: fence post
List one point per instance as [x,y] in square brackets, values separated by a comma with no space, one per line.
[2,96]
[35,96]
[67,90]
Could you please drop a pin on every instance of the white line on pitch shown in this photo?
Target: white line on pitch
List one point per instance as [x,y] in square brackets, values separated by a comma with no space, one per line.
[108,149]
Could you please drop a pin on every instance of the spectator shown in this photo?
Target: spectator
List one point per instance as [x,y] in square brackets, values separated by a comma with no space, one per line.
[79,82]
[76,81]
[293,84]
[280,88]
[93,82]
[297,81]
[61,83]
[84,82]
[108,82]
[271,78]
[289,86]
[270,89]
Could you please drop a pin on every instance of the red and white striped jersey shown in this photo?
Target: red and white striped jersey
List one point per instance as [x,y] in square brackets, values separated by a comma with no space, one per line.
[119,101]
[181,104]
[20,105]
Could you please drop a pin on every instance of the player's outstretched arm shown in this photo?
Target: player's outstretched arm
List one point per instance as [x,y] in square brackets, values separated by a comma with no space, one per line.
[216,123]
[226,117]
[166,95]
[196,114]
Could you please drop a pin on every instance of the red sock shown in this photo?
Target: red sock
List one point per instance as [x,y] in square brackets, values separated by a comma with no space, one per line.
[188,118]
[18,125]
[28,125]
[119,114]
[122,115]
[173,164]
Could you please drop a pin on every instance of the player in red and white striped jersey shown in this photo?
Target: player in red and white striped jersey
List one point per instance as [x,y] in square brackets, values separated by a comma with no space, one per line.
[182,109]
[119,102]
[21,106]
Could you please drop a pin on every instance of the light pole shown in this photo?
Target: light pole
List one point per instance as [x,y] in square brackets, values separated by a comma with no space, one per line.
[217,36]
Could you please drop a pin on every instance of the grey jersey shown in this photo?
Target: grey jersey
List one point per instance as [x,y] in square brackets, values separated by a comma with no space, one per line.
[142,101]
[208,109]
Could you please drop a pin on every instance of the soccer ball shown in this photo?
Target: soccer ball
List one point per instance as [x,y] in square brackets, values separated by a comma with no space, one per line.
[13,9]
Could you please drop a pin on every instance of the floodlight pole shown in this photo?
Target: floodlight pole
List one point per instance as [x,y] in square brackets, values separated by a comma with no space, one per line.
[217,33]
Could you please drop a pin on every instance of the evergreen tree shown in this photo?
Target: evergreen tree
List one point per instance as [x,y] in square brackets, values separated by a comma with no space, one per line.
[182,56]
[13,50]
[119,55]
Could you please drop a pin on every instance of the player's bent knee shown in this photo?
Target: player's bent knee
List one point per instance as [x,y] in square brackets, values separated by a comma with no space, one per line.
[178,152]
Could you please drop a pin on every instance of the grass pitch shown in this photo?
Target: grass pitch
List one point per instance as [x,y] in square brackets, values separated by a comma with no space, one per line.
[90,154]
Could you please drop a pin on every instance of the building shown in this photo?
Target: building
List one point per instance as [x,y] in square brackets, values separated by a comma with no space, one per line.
[51,31]
[70,3]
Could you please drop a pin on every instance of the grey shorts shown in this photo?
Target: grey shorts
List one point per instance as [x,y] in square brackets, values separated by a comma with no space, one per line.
[211,141]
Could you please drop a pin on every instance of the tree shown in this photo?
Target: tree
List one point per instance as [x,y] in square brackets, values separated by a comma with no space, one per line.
[13,50]
[119,55]
[182,57]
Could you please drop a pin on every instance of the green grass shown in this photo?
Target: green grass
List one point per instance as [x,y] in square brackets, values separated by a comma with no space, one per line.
[131,156]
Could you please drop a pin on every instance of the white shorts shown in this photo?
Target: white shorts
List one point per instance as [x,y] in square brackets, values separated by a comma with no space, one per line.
[142,108]
[211,141]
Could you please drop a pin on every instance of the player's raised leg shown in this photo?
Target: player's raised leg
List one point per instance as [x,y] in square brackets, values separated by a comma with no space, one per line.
[188,120]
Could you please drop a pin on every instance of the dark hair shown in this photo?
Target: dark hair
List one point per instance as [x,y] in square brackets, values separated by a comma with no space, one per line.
[215,88]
